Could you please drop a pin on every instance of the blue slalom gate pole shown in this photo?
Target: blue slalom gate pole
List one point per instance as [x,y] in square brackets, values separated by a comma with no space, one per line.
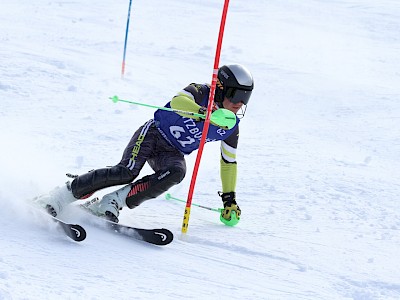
[126,39]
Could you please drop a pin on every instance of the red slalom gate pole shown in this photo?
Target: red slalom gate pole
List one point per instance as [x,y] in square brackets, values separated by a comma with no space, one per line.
[186,216]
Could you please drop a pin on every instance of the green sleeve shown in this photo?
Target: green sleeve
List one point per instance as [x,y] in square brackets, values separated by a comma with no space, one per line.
[228,162]
[185,103]
[228,176]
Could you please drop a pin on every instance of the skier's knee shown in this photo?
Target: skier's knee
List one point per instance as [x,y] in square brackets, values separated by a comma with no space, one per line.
[177,174]
[154,185]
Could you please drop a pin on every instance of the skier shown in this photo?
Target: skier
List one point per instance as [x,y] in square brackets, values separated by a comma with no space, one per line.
[162,142]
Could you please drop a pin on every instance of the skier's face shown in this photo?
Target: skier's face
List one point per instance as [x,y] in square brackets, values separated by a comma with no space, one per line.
[233,107]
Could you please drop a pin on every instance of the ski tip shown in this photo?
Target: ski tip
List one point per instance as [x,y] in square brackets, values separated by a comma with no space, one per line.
[159,237]
[77,233]
[166,236]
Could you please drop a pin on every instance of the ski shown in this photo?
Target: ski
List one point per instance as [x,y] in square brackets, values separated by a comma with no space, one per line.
[73,231]
[159,237]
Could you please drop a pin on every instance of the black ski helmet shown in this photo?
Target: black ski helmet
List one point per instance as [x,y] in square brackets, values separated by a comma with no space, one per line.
[234,82]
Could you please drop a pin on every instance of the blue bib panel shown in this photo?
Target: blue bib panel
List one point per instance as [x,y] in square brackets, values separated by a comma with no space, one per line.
[185,133]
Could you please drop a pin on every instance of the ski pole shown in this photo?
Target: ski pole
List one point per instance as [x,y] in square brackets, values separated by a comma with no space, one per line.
[223,117]
[115,99]
[170,197]
[126,39]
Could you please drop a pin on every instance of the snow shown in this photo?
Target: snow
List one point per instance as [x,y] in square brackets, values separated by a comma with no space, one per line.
[318,156]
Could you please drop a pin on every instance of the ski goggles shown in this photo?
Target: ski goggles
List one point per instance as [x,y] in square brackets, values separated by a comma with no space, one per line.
[236,95]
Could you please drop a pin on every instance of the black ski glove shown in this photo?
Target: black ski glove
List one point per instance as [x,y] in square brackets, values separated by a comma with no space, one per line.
[230,206]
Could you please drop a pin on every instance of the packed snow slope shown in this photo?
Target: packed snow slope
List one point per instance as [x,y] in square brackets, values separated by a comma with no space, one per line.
[318,156]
